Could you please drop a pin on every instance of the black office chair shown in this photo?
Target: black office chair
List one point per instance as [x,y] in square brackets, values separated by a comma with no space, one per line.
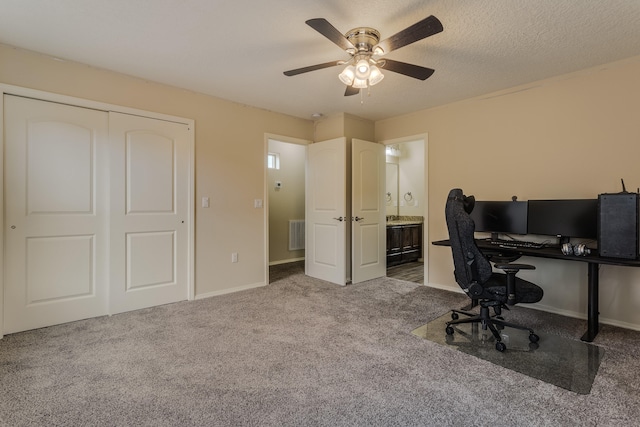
[475,276]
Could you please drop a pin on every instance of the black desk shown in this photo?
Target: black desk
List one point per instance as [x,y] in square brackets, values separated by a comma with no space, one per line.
[593,263]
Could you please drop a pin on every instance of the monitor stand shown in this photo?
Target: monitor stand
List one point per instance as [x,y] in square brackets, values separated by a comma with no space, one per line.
[562,240]
[495,237]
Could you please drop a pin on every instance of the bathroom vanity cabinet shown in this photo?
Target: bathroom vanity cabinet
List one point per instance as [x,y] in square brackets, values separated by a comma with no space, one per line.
[404,242]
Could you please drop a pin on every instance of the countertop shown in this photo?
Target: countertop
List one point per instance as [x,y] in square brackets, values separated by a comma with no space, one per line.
[404,220]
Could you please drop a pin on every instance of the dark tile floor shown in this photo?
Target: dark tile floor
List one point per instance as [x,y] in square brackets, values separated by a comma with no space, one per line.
[411,272]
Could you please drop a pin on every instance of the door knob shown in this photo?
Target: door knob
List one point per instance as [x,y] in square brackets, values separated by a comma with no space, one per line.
[339,219]
[358,218]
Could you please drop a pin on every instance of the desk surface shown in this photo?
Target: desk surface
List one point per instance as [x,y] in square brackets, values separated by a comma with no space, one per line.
[548,252]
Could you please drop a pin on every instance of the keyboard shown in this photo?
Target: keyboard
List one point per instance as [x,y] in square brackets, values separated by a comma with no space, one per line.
[515,244]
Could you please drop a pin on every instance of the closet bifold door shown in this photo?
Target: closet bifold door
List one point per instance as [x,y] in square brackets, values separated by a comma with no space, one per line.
[149,211]
[55,213]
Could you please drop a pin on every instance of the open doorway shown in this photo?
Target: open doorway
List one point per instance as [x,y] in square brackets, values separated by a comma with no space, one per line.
[406,205]
[285,192]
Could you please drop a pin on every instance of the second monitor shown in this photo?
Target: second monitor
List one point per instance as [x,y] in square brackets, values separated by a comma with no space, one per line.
[564,218]
[500,217]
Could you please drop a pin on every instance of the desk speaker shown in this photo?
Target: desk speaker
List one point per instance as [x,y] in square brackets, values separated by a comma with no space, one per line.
[618,225]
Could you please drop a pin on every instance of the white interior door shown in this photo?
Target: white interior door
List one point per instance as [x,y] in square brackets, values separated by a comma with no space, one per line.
[149,211]
[55,213]
[326,212]
[368,211]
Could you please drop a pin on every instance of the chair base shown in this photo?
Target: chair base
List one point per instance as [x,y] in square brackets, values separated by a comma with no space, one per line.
[487,321]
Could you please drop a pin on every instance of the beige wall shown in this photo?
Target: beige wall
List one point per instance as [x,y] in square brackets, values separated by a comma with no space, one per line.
[287,202]
[359,128]
[568,137]
[230,163]
[392,187]
[411,178]
[346,125]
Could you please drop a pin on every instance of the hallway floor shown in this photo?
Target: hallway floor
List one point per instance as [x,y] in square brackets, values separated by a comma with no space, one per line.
[411,272]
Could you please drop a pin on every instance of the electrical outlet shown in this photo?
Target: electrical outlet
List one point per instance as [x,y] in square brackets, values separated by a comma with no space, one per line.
[234,257]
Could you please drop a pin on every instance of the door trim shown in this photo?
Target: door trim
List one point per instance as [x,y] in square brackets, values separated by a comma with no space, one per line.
[425,227]
[6,89]
[265,197]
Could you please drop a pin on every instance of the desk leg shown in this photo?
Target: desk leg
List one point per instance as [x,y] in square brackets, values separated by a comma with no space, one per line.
[592,304]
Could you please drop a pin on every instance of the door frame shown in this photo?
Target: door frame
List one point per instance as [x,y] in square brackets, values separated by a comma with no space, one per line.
[265,179]
[425,197]
[6,89]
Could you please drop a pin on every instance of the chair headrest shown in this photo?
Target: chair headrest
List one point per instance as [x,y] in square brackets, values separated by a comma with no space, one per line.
[468,202]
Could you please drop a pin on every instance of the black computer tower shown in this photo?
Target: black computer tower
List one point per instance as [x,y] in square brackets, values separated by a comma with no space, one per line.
[618,225]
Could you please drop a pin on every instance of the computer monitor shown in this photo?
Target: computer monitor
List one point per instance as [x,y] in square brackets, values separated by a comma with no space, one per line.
[500,217]
[564,218]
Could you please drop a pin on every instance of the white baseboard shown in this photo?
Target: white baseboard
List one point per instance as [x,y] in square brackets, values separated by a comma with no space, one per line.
[619,324]
[285,261]
[230,290]
[445,287]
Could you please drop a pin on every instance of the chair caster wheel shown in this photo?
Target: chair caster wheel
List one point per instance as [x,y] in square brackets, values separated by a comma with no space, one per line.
[449,330]
[454,316]
[500,346]
[534,338]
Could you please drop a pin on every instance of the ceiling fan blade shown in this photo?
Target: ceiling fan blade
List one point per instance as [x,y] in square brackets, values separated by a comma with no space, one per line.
[312,68]
[323,26]
[411,70]
[418,31]
[351,91]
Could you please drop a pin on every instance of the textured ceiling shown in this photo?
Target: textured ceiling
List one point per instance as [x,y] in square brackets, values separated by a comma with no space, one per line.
[237,50]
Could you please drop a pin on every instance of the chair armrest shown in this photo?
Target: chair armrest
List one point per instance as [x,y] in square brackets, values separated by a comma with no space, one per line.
[511,267]
[512,270]
[500,258]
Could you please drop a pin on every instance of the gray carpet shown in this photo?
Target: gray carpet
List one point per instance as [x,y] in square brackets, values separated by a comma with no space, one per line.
[299,352]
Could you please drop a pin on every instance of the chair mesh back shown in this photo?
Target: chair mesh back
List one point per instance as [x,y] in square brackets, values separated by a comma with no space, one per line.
[469,264]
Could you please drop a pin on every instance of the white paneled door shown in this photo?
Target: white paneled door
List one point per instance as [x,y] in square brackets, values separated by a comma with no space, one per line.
[55,213]
[149,224]
[332,215]
[97,212]
[368,184]
[326,211]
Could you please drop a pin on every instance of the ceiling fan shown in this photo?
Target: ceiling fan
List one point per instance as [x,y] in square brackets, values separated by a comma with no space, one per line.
[365,48]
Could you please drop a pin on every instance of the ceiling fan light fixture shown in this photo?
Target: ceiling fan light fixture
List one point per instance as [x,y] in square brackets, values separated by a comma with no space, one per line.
[363,69]
[375,76]
[359,83]
[363,45]
[347,75]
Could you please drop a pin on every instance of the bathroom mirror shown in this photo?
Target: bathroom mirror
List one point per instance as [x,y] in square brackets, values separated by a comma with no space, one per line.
[391,200]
